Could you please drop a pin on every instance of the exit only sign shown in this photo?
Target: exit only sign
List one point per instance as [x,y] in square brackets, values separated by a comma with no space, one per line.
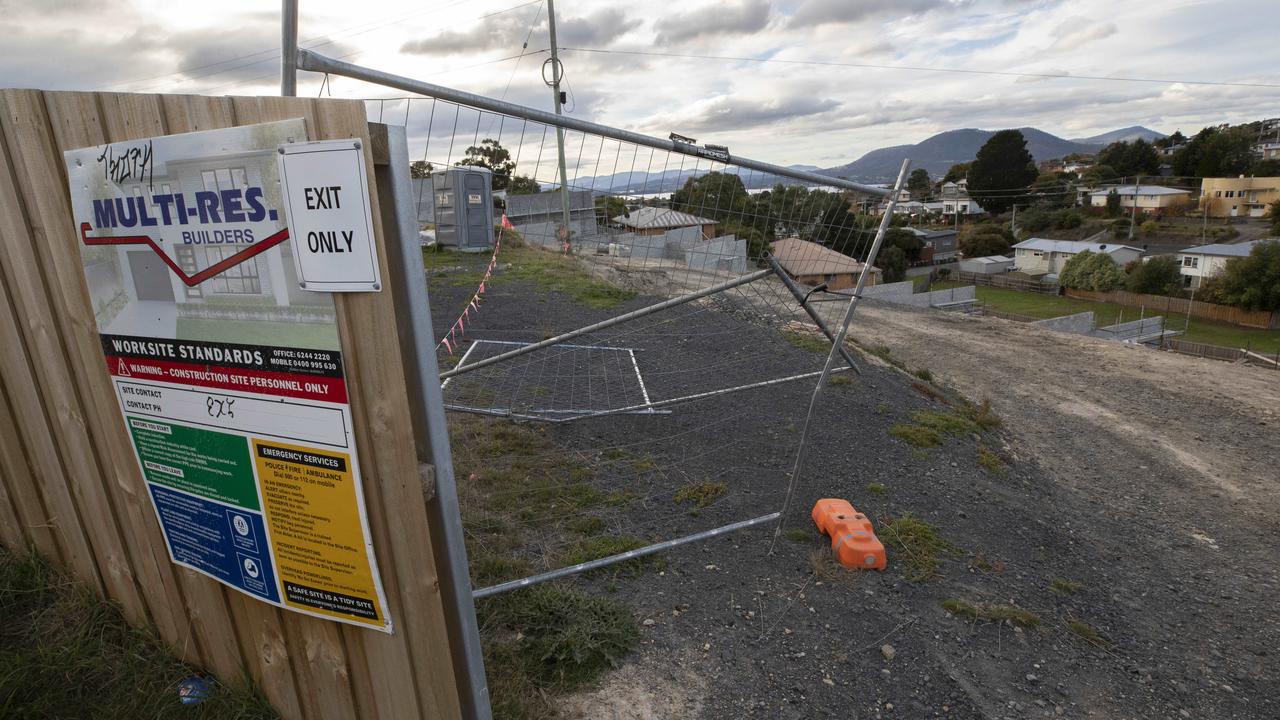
[326,200]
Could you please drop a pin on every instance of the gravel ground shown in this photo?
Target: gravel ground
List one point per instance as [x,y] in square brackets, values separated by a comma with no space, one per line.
[1145,478]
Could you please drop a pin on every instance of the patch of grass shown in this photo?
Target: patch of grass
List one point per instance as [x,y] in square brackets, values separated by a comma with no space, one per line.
[586,525]
[992,613]
[919,546]
[811,342]
[916,435]
[982,415]
[924,374]
[796,534]
[1036,305]
[884,353]
[491,567]
[1086,632]
[701,494]
[839,380]
[875,488]
[566,276]
[991,462]
[961,609]
[945,423]
[603,546]
[619,498]
[1064,586]
[549,638]
[643,464]
[64,653]
[1012,614]
[882,408]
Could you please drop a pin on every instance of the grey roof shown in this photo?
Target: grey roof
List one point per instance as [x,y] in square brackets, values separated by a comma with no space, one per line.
[990,259]
[1237,250]
[930,234]
[653,217]
[1070,247]
[1142,190]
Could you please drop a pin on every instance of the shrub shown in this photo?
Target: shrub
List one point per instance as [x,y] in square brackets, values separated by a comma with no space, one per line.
[1091,271]
[1149,227]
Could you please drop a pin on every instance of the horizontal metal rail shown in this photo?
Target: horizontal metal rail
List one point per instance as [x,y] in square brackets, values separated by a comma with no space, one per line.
[658,307]
[636,409]
[315,62]
[622,557]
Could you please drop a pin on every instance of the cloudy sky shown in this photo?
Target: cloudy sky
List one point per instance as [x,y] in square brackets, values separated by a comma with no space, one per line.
[810,102]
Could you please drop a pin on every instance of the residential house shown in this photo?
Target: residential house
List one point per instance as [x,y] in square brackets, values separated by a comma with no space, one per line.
[955,198]
[939,245]
[1148,198]
[656,221]
[1238,196]
[1041,256]
[1202,261]
[1267,149]
[812,264]
[990,265]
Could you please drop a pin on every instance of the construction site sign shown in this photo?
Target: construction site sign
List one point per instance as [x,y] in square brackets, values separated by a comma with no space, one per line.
[229,376]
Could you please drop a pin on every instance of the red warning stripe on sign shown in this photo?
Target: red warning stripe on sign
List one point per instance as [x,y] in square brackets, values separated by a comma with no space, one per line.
[306,387]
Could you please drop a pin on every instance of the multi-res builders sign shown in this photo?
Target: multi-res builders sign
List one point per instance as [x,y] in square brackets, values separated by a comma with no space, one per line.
[228,373]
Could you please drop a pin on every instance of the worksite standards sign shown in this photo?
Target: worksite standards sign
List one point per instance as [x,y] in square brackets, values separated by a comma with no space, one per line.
[229,376]
[327,204]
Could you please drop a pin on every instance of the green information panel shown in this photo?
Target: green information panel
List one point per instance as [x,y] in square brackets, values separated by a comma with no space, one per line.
[202,462]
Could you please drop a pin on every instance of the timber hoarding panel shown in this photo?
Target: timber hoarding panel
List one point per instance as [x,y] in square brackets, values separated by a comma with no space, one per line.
[70,482]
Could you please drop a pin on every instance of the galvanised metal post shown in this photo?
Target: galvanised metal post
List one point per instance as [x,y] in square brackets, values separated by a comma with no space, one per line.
[289,48]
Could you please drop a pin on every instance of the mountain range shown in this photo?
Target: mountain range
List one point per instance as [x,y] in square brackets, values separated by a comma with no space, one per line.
[938,153]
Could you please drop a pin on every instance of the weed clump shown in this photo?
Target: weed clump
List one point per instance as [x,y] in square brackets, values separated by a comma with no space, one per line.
[982,415]
[701,494]
[1064,586]
[839,380]
[991,462]
[796,534]
[946,423]
[811,342]
[586,525]
[1011,614]
[876,488]
[924,374]
[930,392]
[916,435]
[919,544]
[1086,632]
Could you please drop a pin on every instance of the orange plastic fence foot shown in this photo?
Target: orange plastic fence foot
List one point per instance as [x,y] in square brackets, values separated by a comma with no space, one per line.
[852,538]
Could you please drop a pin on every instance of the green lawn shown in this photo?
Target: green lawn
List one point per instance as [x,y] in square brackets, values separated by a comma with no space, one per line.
[252,332]
[1198,330]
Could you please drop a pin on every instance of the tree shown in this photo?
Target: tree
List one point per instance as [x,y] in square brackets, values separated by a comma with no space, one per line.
[611,207]
[1131,158]
[919,184]
[1216,152]
[523,185]
[1273,212]
[420,169]
[958,172]
[490,154]
[908,242]
[1157,276]
[1002,167]
[1052,191]
[1098,174]
[984,239]
[1113,204]
[1270,167]
[1089,270]
[1253,282]
[892,262]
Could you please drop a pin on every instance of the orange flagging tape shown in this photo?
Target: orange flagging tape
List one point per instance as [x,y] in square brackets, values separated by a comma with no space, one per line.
[852,538]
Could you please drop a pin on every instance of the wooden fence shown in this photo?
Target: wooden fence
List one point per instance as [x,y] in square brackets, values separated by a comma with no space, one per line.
[1179,306]
[70,486]
[1004,281]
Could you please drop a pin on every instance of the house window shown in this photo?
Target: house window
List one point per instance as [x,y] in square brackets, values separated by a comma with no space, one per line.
[1217,193]
[187,261]
[241,279]
[1190,262]
[224,179]
[1231,193]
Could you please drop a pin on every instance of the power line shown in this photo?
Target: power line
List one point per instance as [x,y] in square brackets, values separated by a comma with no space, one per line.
[918,68]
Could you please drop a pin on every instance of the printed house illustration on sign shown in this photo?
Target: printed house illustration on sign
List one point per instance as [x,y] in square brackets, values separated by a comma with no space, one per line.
[263,286]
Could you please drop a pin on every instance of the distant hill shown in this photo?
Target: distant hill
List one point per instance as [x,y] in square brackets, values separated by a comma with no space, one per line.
[1128,134]
[938,153]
